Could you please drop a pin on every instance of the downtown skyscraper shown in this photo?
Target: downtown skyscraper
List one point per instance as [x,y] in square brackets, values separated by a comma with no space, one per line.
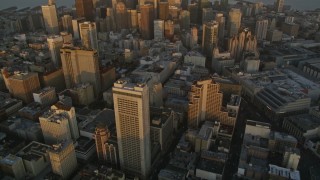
[131,105]
[50,18]
[84,8]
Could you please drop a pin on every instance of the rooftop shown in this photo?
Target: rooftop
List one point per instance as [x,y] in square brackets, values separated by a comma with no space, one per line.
[304,122]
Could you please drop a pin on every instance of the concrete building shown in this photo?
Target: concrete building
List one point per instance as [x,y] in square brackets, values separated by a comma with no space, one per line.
[290,29]
[195,58]
[35,158]
[67,23]
[221,60]
[75,27]
[209,37]
[70,113]
[147,18]
[63,159]
[234,21]
[184,19]
[277,172]
[50,18]
[205,102]
[46,96]
[131,103]
[279,5]
[54,45]
[161,126]
[291,158]
[84,8]
[121,16]
[88,34]
[101,137]
[53,78]
[303,127]
[242,42]
[274,35]
[81,66]
[207,15]
[163,10]
[13,166]
[55,127]
[22,85]
[158,29]
[261,29]
[222,25]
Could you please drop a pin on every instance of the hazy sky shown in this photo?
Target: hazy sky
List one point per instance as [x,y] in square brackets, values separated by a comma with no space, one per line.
[296,4]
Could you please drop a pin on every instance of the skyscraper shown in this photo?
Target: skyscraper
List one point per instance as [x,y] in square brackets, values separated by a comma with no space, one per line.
[163,10]
[88,34]
[63,159]
[185,19]
[81,66]
[202,4]
[84,8]
[131,104]
[261,29]
[50,18]
[101,137]
[23,85]
[75,27]
[121,16]
[209,37]
[54,45]
[67,23]
[234,21]
[279,5]
[205,102]
[158,29]
[147,17]
[222,23]
[55,127]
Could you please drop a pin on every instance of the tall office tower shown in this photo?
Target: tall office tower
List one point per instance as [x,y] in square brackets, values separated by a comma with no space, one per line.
[75,27]
[209,37]
[222,23]
[261,29]
[111,19]
[169,29]
[101,137]
[141,2]
[88,34]
[242,42]
[23,85]
[84,8]
[279,5]
[234,21]
[155,4]
[81,66]
[121,16]
[55,43]
[194,37]
[193,9]
[70,113]
[205,102]
[158,29]
[207,15]
[133,18]
[55,127]
[224,3]
[50,19]
[67,23]
[163,10]
[63,159]
[147,17]
[131,104]
[185,19]
[202,4]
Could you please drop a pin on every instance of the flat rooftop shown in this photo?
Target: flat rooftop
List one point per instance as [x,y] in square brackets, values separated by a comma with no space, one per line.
[304,122]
